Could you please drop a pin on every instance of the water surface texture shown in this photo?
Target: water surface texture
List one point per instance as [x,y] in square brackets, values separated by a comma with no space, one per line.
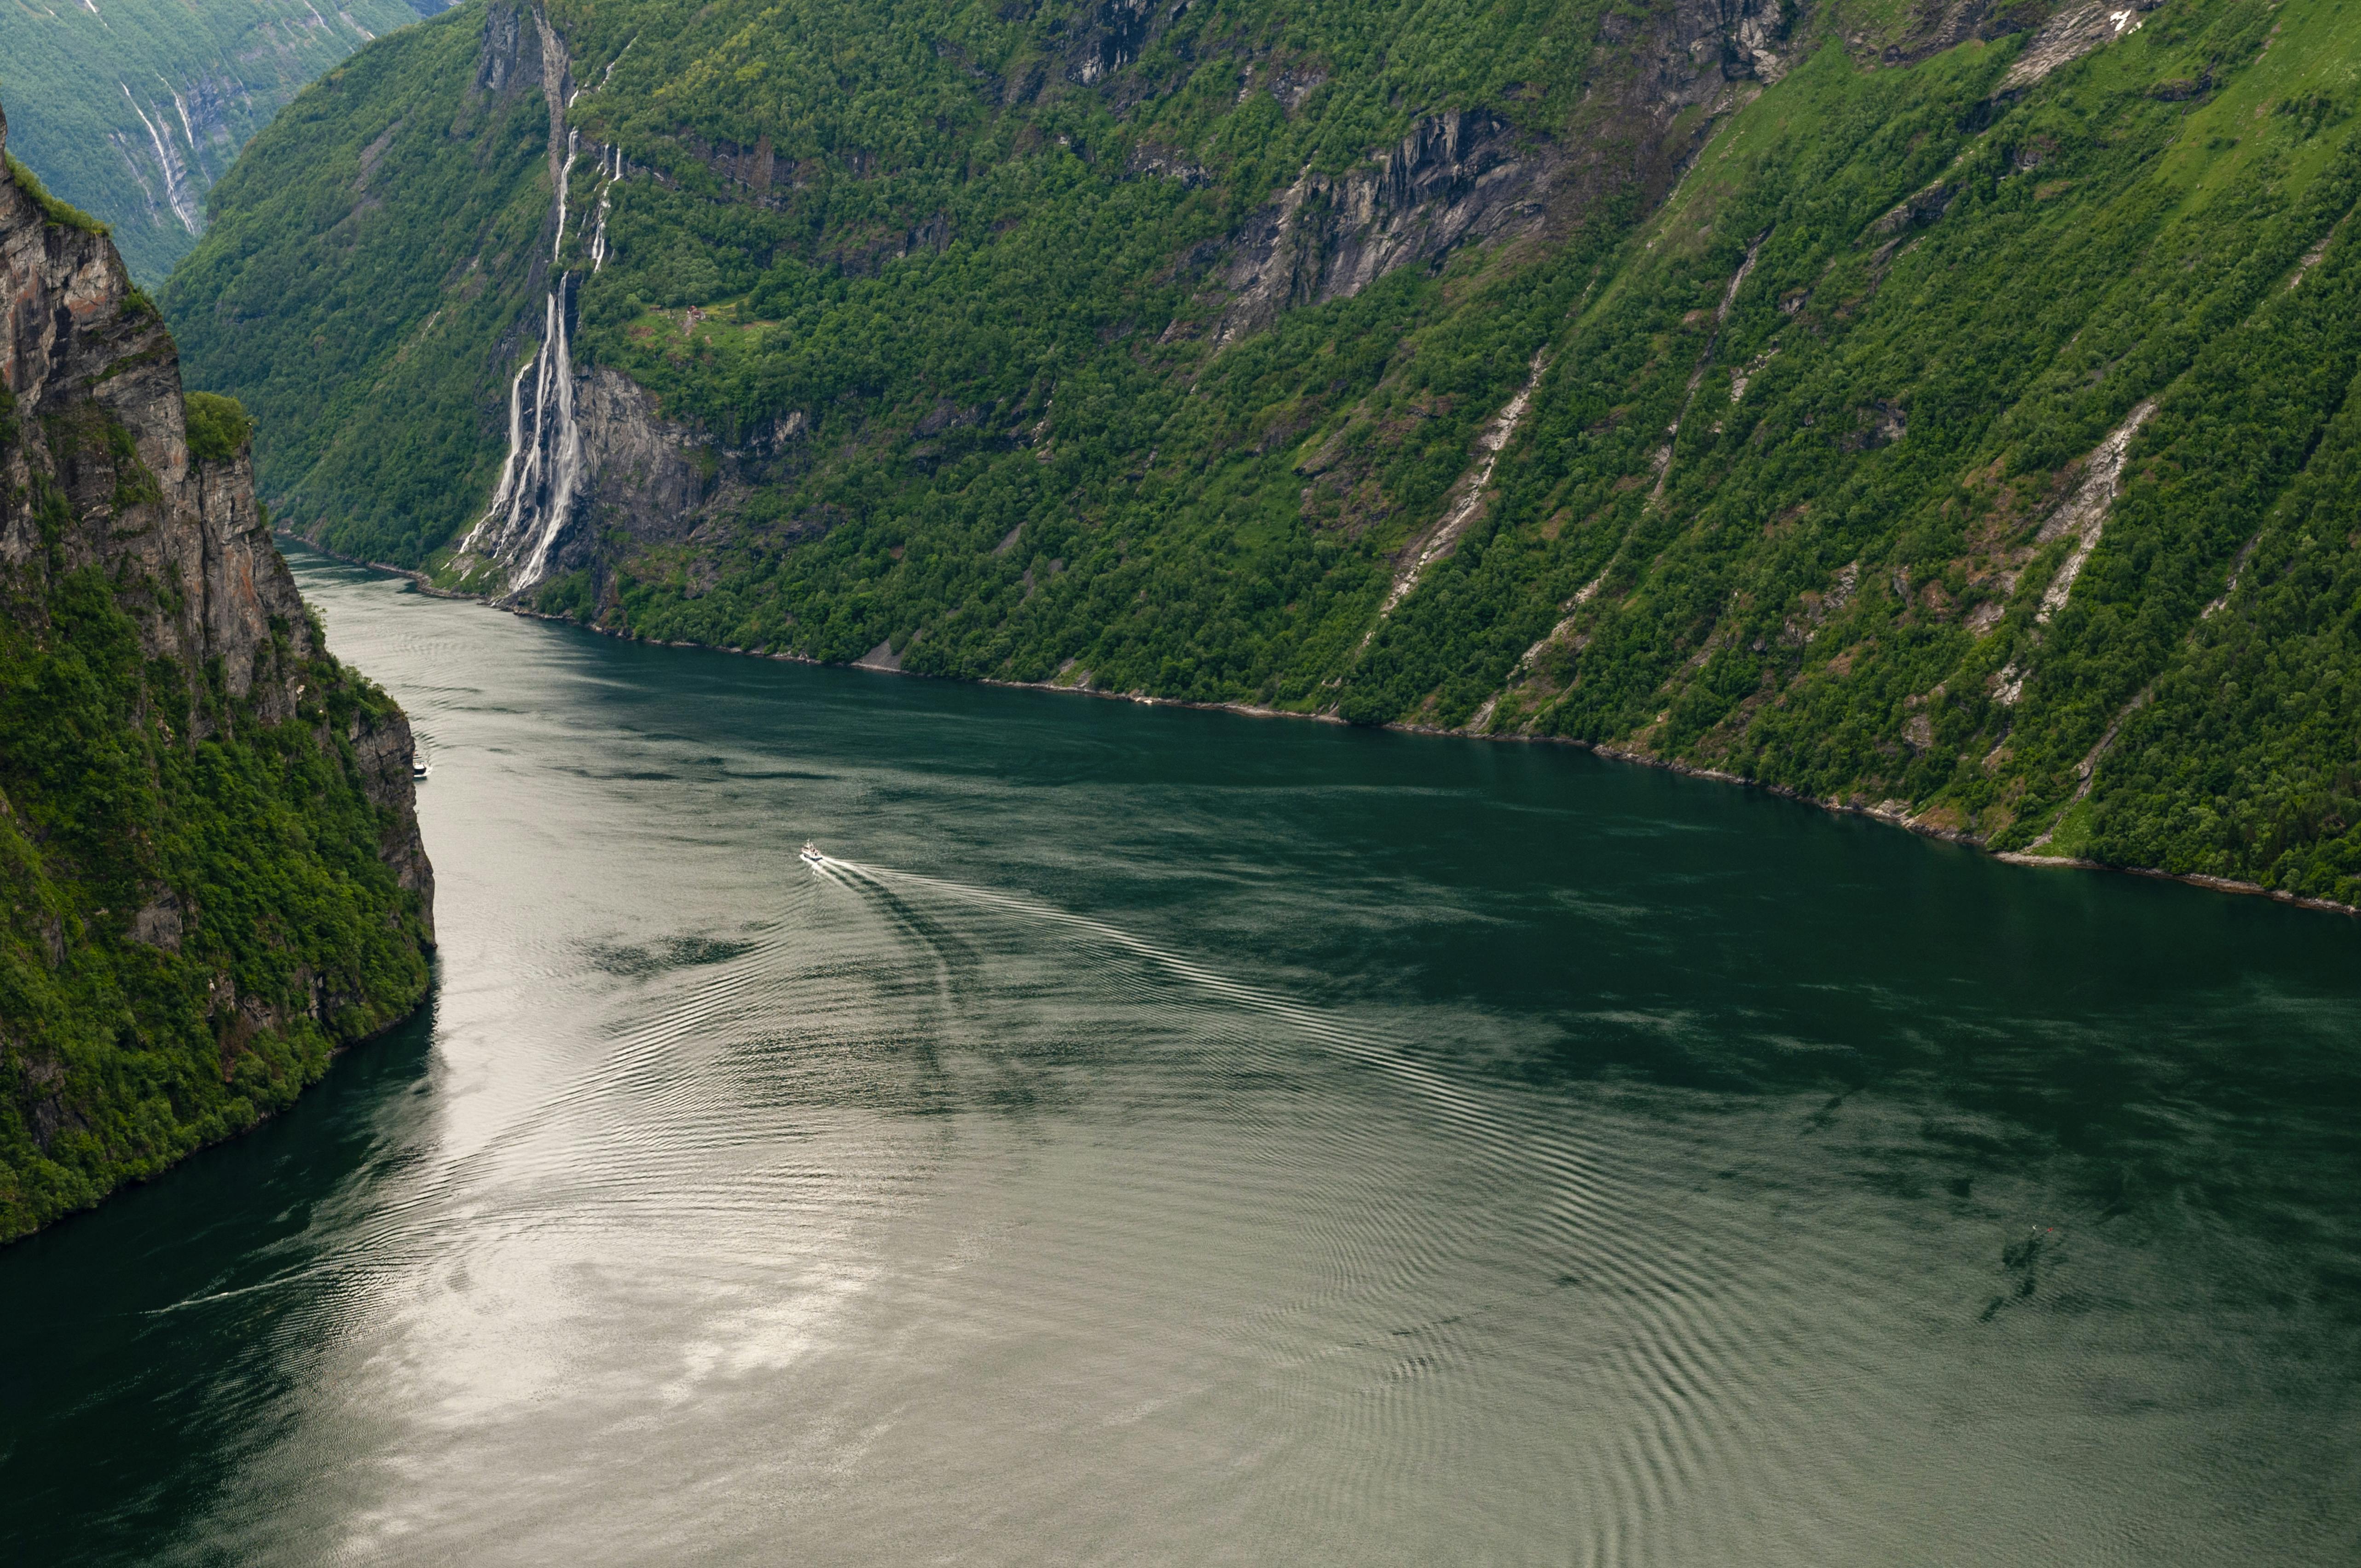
[1170,1136]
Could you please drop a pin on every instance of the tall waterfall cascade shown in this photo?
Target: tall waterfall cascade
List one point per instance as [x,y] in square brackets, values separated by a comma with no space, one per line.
[541,477]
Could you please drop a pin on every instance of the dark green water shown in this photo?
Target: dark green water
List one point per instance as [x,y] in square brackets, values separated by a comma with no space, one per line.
[1166,1137]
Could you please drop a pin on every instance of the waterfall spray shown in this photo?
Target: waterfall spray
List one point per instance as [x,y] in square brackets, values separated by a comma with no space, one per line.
[504,495]
[541,477]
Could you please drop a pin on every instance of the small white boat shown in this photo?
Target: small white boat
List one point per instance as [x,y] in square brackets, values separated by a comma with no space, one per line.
[812,855]
[419,770]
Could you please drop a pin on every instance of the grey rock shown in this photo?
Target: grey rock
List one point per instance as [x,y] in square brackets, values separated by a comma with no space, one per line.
[183,538]
[160,924]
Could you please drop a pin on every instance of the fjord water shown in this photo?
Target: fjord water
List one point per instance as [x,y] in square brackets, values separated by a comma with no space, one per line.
[1171,1136]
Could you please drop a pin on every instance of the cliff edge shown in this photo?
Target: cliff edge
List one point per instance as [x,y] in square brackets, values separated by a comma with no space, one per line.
[211,872]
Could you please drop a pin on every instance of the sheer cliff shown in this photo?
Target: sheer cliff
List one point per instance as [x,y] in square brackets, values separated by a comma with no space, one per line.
[212,865]
[1939,408]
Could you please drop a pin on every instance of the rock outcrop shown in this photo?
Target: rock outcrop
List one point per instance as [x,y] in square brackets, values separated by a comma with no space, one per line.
[1463,177]
[176,750]
[2074,32]
[1457,179]
[86,357]
[90,363]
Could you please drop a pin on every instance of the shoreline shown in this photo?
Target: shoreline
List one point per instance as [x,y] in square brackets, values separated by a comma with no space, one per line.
[1249,711]
[335,1053]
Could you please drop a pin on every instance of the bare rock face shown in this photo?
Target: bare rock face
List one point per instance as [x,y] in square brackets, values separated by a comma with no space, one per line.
[1467,177]
[1455,179]
[83,358]
[87,362]
[1706,43]
[386,750]
[1111,36]
[647,477]
[2073,32]
[513,50]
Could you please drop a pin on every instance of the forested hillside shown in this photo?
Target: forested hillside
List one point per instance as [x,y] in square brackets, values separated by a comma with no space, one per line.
[210,868]
[1939,408]
[131,110]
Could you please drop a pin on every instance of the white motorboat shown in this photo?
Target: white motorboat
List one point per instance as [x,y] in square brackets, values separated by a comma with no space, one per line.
[420,768]
[812,855]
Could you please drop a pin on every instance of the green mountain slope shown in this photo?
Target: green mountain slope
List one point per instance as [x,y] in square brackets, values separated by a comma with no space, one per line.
[1940,409]
[131,109]
[210,869]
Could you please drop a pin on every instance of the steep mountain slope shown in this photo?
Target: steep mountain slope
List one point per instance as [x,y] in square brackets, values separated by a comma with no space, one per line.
[132,109]
[209,858]
[1941,407]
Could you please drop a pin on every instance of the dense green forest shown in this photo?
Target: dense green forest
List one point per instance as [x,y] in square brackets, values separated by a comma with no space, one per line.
[132,110]
[210,873]
[133,1051]
[1940,410]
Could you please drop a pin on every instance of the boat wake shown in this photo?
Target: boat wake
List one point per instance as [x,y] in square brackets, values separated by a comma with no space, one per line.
[1679,1304]
[1227,1216]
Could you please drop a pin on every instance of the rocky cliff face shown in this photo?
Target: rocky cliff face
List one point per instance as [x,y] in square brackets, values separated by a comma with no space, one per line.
[1457,179]
[90,365]
[647,479]
[88,362]
[1470,178]
[187,779]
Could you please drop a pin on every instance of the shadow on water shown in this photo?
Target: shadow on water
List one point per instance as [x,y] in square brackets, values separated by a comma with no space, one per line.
[156,1338]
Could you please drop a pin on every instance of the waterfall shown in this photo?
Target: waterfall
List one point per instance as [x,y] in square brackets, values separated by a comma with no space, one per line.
[176,183]
[557,241]
[541,477]
[504,495]
[565,448]
[606,202]
[196,154]
[542,471]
